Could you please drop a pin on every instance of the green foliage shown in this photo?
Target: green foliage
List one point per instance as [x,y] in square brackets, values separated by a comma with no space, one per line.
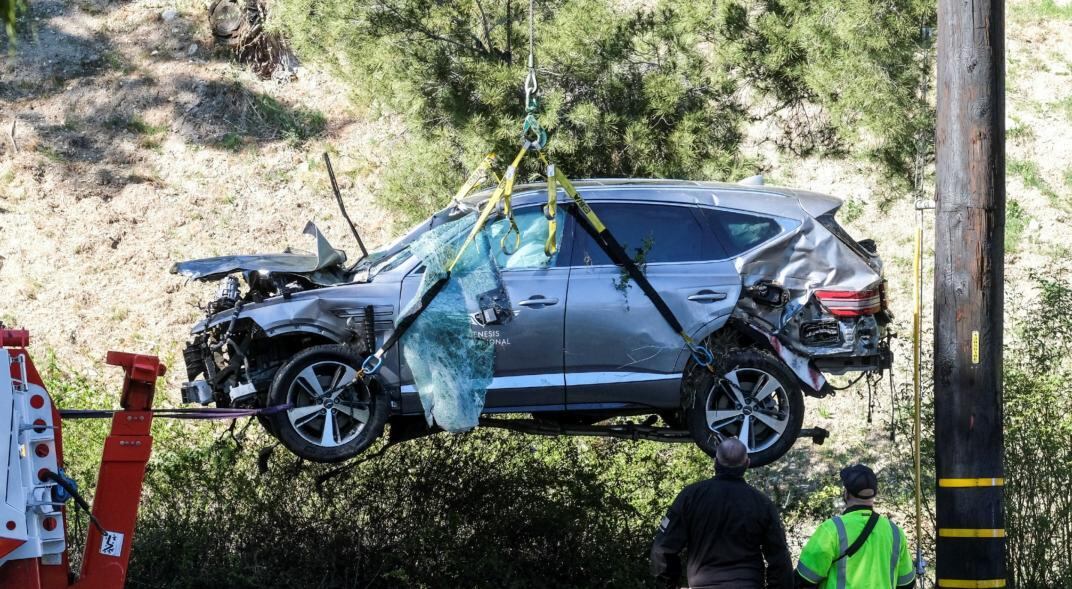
[1015,223]
[231,142]
[663,90]
[149,136]
[1041,10]
[1038,426]
[859,62]
[295,124]
[851,211]
[1029,172]
[640,259]
[54,155]
[1020,132]
[9,13]
[1064,106]
[480,510]
[136,125]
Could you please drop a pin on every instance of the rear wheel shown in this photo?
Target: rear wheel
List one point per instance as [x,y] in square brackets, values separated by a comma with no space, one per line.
[751,396]
[332,415]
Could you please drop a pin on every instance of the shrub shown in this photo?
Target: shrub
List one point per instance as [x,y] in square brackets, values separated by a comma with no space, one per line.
[1038,426]
[628,90]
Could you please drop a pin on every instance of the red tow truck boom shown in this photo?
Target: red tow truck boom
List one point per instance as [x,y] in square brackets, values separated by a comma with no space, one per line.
[33,544]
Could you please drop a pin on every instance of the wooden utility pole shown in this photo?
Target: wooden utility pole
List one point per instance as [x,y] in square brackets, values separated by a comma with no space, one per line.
[968,291]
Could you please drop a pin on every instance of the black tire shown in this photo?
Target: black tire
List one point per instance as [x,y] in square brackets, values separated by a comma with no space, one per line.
[782,405]
[355,414]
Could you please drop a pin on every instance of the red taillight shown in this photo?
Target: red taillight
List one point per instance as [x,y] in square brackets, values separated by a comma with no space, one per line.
[851,303]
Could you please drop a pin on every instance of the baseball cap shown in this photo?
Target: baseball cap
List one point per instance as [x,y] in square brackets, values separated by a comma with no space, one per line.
[860,481]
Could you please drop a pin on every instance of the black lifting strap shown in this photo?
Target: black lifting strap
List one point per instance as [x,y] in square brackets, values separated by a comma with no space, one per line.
[617,254]
[869,527]
[372,363]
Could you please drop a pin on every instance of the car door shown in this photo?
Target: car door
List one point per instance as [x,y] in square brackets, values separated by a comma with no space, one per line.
[619,350]
[528,344]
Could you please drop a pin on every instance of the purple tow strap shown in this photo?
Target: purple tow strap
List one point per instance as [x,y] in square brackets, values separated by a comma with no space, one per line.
[178,412]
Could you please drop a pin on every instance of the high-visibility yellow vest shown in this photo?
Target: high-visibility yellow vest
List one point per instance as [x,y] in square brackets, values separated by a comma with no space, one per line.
[882,562]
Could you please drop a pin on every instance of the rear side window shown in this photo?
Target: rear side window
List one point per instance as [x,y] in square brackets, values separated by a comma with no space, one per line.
[741,232]
[661,233]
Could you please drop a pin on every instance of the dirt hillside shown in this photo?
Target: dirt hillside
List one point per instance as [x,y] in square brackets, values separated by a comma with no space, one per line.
[136,145]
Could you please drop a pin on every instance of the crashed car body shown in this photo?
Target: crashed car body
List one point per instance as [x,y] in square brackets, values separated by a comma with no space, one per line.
[764,276]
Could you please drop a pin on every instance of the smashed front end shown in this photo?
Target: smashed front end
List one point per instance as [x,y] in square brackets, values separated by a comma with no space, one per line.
[229,347]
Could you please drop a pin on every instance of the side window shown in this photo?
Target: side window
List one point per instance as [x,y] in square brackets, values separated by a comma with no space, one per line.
[533,227]
[740,231]
[662,233]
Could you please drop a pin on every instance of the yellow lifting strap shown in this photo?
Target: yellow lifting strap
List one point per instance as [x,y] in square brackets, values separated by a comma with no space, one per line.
[508,211]
[573,194]
[502,190]
[550,247]
[474,178]
[556,178]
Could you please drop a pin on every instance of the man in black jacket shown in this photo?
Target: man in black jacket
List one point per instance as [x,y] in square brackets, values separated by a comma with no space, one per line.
[729,529]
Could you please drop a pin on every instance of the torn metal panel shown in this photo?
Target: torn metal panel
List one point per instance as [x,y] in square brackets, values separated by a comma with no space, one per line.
[800,365]
[314,266]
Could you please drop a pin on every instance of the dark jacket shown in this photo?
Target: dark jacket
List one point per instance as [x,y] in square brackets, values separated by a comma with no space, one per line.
[728,529]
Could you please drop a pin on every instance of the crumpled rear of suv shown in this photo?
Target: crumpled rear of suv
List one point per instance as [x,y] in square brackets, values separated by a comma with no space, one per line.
[819,291]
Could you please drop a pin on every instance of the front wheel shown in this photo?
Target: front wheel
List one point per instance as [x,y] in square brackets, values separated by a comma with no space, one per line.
[750,396]
[332,416]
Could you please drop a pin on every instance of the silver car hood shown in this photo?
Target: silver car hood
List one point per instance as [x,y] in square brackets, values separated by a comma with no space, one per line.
[288,262]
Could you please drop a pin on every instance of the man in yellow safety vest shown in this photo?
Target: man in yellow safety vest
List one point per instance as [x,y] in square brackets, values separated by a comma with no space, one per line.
[858,549]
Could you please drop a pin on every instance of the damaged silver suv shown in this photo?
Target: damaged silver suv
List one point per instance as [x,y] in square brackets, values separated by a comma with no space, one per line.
[764,276]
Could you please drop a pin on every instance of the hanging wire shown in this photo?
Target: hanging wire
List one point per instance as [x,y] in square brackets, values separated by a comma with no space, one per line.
[851,384]
[893,409]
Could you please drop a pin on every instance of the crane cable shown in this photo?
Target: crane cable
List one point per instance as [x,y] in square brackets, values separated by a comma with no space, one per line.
[531,131]
[531,86]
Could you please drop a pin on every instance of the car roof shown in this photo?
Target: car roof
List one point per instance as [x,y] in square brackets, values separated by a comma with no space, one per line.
[774,200]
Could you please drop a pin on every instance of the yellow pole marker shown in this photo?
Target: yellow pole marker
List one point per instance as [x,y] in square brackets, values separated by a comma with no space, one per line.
[971,532]
[975,347]
[971,583]
[961,483]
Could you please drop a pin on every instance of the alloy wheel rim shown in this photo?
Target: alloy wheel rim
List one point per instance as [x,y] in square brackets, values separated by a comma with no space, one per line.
[750,404]
[329,409]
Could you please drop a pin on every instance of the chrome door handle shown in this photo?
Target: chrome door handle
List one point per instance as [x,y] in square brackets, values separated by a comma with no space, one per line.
[538,301]
[707,296]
